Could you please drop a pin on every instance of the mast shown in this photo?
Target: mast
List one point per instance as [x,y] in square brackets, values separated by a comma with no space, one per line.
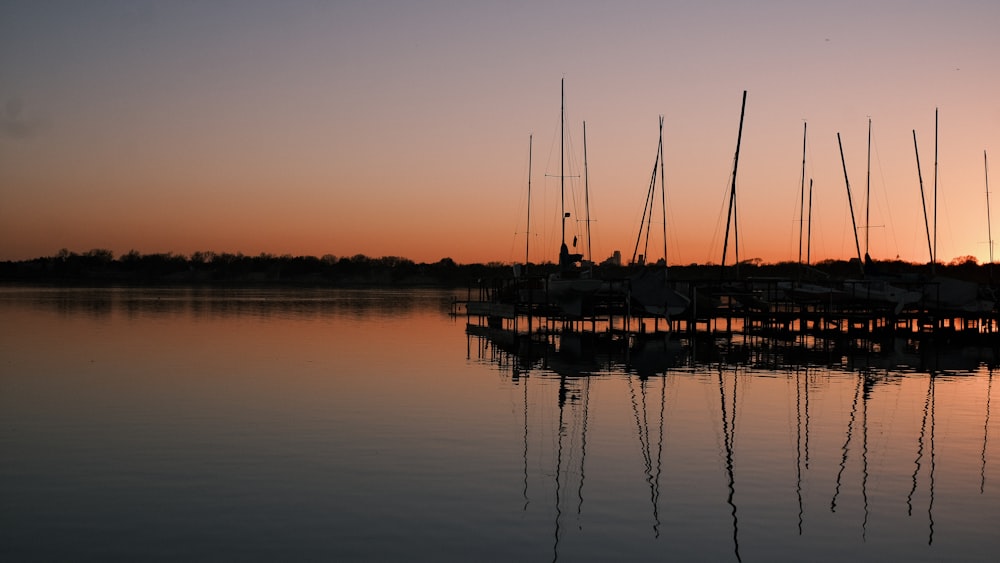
[934,254]
[562,158]
[989,231]
[868,186]
[731,218]
[802,188]
[586,190]
[647,209]
[923,200]
[850,202]
[527,238]
[809,233]
[663,200]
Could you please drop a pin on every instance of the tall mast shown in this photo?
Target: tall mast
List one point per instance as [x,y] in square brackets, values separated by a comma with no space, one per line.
[850,202]
[868,186]
[527,238]
[647,209]
[562,159]
[802,188]
[663,199]
[923,200]
[989,232]
[934,256]
[810,231]
[731,218]
[586,190]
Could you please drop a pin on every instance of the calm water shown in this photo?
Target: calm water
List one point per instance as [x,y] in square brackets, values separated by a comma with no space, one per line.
[347,425]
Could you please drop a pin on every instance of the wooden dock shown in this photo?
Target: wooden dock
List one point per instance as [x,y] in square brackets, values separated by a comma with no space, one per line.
[758,308]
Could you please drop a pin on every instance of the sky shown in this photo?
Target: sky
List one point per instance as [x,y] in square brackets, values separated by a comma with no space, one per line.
[399,128]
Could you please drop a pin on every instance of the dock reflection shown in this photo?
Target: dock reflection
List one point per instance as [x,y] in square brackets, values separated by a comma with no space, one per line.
[648,368]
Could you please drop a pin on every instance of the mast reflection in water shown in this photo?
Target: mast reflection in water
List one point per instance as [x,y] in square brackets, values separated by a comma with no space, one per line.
[718,468]
[318,424]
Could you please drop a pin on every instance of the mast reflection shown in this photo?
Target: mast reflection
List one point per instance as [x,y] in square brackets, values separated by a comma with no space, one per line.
[573,367]
[986,433]
[729,434]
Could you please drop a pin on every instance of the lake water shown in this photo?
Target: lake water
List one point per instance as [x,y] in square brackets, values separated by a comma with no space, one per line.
[336,425]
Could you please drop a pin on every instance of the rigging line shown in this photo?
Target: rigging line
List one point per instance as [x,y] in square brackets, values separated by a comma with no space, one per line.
[947,220]
[885,197]
[521,203]
[868,187]
[647,215]
[672,232]
[652,199]
[648,212]
[714,242]
[525,171]
[802,191]
[573,164]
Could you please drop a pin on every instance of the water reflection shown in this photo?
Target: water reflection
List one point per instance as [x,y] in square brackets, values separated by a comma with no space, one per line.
[729,434]
[315,424]
[986,433]
[201,302]
[863,474]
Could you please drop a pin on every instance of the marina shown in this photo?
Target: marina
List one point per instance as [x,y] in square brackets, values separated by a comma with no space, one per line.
[868,305]
[775,310]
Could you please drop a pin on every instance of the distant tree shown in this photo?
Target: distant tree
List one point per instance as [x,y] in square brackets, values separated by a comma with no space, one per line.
[202,256]
[964,261]
[100,255]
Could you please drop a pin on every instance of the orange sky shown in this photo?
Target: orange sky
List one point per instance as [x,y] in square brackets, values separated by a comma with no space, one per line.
[397,129]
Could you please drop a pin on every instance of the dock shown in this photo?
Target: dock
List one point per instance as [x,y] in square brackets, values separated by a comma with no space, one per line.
[767,308]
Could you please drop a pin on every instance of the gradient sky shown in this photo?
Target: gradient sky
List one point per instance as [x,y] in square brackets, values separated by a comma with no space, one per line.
[401,128]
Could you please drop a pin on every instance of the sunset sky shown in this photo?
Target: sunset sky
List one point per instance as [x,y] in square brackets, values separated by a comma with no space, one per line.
[401,128]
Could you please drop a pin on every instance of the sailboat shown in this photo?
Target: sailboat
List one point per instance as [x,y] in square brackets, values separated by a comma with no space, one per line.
[869,289]
[650,289]
[572,282]
[799,291]
[946,293]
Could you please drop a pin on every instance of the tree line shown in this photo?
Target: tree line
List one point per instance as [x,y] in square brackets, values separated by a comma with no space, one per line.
[100,266]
